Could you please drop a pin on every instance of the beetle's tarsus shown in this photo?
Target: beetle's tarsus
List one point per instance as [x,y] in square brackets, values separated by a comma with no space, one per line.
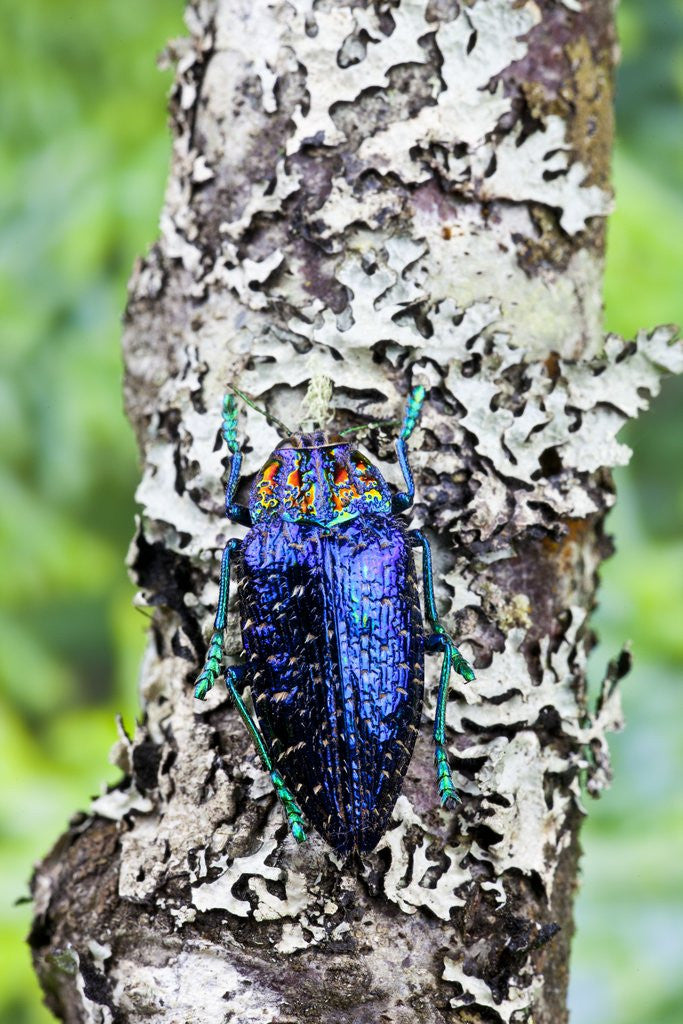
[412,412]
[292,810]
[439,640]
[447,791]
[298,831]
[230,417]
[212,667]
[462,666]
[404,499]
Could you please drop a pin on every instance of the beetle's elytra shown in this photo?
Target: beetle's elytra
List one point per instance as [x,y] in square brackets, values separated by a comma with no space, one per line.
[332,631]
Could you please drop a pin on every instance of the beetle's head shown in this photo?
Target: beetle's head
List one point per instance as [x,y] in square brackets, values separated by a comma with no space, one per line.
[312,439]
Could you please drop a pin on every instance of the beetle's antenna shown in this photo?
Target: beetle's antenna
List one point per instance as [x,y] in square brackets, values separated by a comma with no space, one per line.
[273,420]
[368,426]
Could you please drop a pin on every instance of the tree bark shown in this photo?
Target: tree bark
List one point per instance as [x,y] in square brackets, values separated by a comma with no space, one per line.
[382,194]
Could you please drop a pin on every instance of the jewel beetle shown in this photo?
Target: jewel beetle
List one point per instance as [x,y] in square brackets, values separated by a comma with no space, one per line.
[332,631]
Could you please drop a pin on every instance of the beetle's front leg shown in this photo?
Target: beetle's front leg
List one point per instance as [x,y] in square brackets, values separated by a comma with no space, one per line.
[439,640]
[404,499]
[214,656]
[235,512]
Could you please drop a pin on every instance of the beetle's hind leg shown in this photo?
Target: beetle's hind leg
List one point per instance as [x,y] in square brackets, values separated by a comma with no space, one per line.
[447,791]
[292,809]
[233,674]
[295,818]
[439,640]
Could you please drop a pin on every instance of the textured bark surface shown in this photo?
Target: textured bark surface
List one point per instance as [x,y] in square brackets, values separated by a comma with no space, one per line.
[384,194]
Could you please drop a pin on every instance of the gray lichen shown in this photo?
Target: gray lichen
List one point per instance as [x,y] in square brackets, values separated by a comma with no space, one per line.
[374,194]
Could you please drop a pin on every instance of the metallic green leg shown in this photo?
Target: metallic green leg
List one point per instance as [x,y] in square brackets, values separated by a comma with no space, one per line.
[236,513]
[233,674]
[292,810]
[447,791]
[404,499]
[439,640]
[214,656]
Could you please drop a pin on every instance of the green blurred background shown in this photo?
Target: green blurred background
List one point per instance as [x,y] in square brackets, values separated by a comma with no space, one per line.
[82,174]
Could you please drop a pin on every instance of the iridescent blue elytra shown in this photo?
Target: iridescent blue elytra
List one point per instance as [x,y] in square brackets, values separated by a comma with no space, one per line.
[332,631]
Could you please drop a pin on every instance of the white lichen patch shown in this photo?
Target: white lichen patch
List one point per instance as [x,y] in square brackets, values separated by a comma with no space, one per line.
[532,834]
[477,45]
[218,894]
[553,413]
[119,802]
[265,199]
[293,938]
[200,983]
[549,175]
[475,992]
[482,41]
[328,81]
[511,782]
[183,915]
[467,105]
[405,881]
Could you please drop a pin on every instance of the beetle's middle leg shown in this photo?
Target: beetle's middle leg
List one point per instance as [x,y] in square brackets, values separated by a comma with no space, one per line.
[214,656]
[439,640]
[207,679]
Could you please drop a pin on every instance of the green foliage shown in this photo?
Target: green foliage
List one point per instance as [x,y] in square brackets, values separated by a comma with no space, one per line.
[82,173]
[629,916]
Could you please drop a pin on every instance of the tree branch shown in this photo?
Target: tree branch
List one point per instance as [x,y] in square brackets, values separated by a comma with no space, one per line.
[382,194]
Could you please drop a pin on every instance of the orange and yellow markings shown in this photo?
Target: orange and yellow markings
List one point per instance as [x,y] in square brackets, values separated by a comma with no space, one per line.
[270,472]
[308,500]
[372,494]
[266,485]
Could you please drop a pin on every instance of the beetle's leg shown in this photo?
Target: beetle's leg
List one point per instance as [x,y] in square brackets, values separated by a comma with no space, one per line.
[208,676]
[236,513]
[294,816]
[214,656]
[439,640]
[404,499]
[447,791]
